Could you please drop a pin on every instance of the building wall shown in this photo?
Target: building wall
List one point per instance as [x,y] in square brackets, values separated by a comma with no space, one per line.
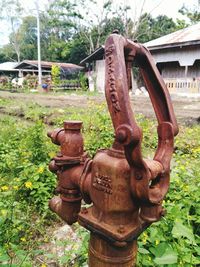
[100,75]
[186,56]
[97,78]
[180,68]
[174,70]
[194,71]
[181,79]
[186,85]
[171,70]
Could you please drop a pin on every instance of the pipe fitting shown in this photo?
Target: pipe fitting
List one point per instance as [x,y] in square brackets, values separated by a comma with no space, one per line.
[54,136]
[53,167]
[68,211]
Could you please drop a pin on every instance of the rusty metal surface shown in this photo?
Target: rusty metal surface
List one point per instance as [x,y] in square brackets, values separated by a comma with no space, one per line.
[103,253]
[126,191]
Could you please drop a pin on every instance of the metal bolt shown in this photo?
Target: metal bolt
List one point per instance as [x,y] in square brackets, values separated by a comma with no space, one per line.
[138,176]
[121,229]
[84,210]
[121,136]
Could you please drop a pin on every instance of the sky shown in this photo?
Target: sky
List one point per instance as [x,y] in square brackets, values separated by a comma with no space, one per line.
[155,7]
[168,7]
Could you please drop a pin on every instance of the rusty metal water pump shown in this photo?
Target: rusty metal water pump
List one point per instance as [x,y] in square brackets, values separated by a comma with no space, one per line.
[125,190]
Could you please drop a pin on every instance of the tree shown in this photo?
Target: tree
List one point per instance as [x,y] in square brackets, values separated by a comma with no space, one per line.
[144,30]
[131,17]
[92,25]
[55,73]
[28,37]
[72,29]
[60,26]
[151,28]
[2,56]
[193,14]
[112,24]
[162,25]
[77,48]
[11,11]
[8,53]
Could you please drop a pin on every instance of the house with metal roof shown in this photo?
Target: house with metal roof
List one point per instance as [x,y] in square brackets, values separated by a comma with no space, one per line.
[177,56]
[7,68]
[18,72]
[31,66]
[95,66]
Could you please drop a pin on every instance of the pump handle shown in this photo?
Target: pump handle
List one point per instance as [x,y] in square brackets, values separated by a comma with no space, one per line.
[149,179]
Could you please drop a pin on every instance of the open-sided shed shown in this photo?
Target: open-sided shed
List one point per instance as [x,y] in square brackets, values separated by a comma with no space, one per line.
[31,66]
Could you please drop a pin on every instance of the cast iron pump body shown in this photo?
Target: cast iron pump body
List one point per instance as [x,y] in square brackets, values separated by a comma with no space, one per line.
[125,190]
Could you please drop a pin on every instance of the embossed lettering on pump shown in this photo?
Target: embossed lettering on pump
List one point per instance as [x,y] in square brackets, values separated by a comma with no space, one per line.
[111,79]
[103,183]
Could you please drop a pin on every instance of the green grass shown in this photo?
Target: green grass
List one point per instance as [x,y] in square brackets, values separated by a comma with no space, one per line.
[26,185]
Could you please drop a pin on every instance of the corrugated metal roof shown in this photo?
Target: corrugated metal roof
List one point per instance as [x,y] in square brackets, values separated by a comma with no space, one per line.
[186,35]
[8,65]
[47,64]
[96,55]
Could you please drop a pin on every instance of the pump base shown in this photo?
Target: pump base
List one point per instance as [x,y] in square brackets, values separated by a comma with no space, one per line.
[114,233]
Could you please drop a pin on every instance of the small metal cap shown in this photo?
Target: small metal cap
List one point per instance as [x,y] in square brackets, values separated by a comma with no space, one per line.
[116,31]
[73,125]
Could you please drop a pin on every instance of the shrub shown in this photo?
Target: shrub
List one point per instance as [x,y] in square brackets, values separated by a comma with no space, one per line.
[26,185]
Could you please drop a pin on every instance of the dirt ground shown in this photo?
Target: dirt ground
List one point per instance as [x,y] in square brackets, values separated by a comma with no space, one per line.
[187,109]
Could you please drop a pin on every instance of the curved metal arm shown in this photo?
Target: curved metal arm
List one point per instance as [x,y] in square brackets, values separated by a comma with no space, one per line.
[150,179]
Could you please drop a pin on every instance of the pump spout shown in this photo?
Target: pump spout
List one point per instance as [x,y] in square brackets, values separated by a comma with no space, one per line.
[68,211]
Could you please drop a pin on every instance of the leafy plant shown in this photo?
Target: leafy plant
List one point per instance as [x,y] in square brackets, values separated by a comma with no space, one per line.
[83,81]
[55,73]
[26,185]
